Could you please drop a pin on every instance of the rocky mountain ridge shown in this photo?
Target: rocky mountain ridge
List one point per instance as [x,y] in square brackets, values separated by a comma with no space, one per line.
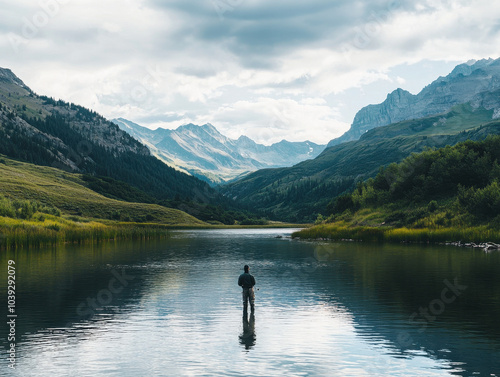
[474,82]
[301,192]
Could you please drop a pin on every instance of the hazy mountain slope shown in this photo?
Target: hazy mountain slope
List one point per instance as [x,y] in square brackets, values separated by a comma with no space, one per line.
[462,85]
[204,152]
[300,192]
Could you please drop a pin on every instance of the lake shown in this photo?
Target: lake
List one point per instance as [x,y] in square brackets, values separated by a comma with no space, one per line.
[173,308]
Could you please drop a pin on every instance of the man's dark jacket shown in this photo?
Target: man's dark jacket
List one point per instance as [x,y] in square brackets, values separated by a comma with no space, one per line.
[246,280]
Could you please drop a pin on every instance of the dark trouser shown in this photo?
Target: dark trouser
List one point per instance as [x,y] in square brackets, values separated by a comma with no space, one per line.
[248,295]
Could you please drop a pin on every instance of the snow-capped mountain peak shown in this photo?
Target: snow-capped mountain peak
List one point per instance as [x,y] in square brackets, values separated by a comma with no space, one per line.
[204,152]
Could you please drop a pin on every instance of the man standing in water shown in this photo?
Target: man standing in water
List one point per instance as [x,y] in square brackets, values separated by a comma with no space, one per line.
[247,281]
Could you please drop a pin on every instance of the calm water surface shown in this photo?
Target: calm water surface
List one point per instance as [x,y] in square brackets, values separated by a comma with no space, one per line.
[173,308]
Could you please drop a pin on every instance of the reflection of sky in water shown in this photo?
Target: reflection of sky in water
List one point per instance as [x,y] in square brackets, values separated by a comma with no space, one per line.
[308,341]
[184,318]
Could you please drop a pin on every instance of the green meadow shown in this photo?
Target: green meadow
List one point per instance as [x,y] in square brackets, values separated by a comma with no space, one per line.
[68,193]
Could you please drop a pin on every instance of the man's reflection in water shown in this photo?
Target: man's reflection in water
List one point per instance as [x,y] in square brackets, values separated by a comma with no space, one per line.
[248,337]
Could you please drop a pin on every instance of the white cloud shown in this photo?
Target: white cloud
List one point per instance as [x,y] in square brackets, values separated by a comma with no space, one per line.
[400,80]
[269,120]
[270,70]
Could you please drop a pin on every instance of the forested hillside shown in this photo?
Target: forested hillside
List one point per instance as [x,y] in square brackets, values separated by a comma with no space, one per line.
[448,195]
[451,186]
[463,105]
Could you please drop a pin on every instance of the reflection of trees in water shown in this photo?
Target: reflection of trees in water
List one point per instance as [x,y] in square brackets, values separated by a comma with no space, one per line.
[395,289]
[248,337]
[411,276]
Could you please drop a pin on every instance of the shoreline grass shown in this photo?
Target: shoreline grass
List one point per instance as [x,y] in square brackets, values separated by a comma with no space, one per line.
[342,231]
[52,231]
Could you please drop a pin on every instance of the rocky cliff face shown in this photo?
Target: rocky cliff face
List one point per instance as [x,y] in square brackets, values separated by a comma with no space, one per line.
[473,82]
[7,76]
[203,151]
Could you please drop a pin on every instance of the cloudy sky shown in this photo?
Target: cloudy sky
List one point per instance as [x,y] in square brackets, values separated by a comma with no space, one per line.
[271,70]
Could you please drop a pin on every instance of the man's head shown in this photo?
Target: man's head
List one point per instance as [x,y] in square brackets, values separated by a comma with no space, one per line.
[246,268]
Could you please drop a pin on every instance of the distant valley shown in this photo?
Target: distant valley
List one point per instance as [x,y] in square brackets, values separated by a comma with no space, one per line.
[204,152]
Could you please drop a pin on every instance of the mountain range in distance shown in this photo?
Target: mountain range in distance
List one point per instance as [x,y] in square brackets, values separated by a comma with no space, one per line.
[204,152]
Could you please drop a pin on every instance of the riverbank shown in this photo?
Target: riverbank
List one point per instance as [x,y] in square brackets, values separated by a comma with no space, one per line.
[43,230]
[343,231]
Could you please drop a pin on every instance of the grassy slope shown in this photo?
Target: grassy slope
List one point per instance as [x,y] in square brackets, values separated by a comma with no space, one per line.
[67,192]
[16,96]
[84,135]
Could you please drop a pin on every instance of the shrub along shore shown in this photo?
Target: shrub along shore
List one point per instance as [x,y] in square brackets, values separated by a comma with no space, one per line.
[26,234]
[29,223]
[343,231]
[16,233]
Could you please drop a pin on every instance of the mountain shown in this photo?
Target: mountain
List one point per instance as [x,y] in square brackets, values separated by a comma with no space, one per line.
[466,83]
[301,192]
[204,152]
[54,133]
